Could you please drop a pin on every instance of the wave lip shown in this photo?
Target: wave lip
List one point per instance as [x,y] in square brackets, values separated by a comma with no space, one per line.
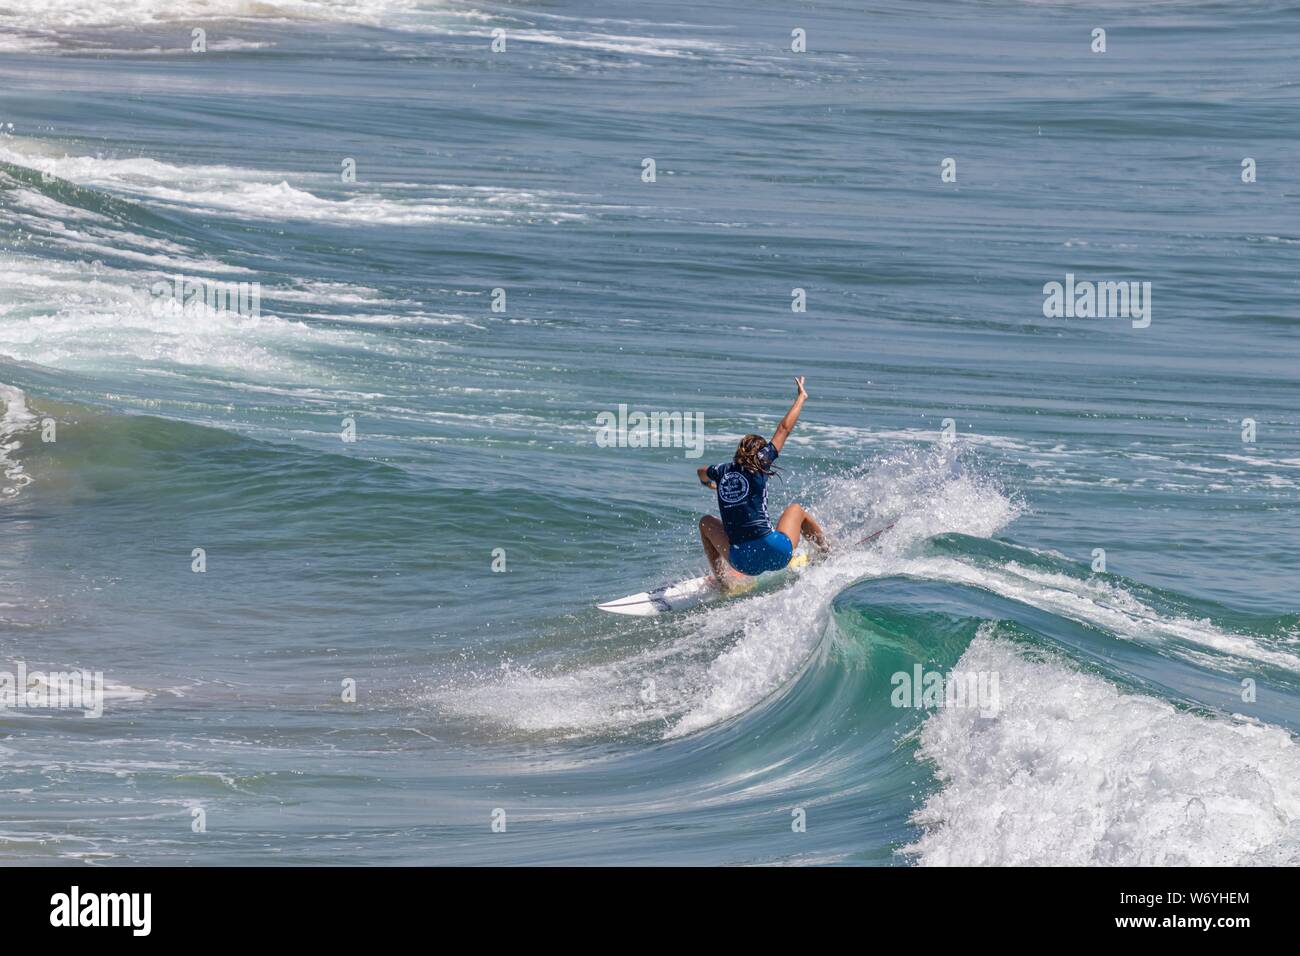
[16,418]
[1074,772]
[257,194]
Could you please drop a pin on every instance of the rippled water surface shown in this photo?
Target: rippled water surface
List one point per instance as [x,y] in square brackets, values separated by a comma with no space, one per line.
[1145,712]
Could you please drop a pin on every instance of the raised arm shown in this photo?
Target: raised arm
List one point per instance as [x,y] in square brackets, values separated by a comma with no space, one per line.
[703,474]
[784,429]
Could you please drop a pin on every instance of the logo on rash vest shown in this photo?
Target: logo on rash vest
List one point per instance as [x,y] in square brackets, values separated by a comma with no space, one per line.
[733,488]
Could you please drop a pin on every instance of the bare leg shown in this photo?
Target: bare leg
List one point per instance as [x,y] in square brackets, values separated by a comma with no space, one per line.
[716,545]
[795,520]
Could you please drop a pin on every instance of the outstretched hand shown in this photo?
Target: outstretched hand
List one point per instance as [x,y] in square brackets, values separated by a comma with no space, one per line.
[787,424]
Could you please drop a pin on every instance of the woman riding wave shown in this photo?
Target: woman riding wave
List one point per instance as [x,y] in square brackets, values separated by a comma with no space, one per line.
[745,534]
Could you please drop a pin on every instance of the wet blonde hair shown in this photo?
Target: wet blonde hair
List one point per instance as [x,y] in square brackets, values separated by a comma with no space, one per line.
[748,457]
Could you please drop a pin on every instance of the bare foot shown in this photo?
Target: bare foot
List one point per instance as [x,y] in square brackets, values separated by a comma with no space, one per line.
[732,580]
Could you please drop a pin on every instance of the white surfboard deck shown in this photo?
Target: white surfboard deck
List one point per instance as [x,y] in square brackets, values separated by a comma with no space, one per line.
[688,594]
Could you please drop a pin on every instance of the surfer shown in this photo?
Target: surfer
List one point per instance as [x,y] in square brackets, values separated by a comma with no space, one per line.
[744,535]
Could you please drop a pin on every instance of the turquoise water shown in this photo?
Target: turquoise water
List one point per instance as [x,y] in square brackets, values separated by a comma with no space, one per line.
[1122,732]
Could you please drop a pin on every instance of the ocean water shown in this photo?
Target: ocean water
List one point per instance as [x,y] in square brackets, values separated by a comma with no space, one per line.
[1146,708]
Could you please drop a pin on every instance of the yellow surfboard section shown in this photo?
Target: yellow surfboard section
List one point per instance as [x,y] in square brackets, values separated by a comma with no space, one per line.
[800,560]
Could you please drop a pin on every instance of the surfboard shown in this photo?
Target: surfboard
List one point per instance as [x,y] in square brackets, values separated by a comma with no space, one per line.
[690,593]
[693,592]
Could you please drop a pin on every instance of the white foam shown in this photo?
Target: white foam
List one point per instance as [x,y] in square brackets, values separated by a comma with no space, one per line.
[17,418]
[92,234]
[1073,772]
[572,704]
[52,19]
[268,195]
[54,14]
[86,315]
[71,315]
[630,45]
[279,201]
[51,24]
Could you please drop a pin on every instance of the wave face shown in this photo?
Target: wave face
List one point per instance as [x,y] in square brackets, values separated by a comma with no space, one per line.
[341,550]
